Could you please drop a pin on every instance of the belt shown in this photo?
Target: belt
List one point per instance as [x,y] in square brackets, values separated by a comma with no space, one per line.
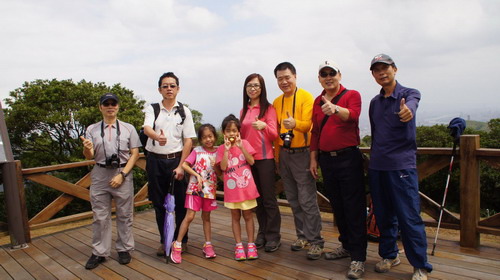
[104,165]
[339,152]
[167,156]
[296,150]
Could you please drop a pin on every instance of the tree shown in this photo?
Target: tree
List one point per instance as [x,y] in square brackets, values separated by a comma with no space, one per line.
[45,118]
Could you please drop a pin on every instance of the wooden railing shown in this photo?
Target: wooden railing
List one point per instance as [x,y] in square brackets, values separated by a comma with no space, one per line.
[468,221]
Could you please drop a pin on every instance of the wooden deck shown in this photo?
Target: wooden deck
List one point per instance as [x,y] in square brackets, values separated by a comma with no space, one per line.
[63,256]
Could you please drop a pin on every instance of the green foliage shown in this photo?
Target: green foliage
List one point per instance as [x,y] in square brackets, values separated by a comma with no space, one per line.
[434,185]
[477,125]
[46,118]
[492,139]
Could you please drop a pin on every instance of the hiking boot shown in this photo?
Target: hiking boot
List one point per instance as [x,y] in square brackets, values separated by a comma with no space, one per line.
[94,261]
[272,246]
[386,264]
[299,244]
[315,252]
[124,257]
[259,242]
[239,253]
[337,253]
[208,250]
[419,274]
[160,252]
[176,254]
[252,252]
[356,270]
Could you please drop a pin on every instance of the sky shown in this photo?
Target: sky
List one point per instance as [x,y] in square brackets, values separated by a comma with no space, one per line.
[448,49]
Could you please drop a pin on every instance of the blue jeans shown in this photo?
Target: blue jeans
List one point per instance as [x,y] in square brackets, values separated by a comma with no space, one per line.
[396,203]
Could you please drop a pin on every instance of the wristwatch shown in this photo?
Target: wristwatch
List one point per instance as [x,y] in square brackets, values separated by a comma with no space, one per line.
[337,110]
[124,174]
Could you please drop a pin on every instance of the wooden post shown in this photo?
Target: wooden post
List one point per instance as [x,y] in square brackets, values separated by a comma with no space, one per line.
[469,191]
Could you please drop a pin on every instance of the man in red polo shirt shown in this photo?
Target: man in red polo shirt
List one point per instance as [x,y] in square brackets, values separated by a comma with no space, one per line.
[334,145]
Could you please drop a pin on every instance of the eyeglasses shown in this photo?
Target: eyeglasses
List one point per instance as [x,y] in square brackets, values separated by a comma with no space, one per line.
[324,74]
[256,86]
[107,104]
[169,86]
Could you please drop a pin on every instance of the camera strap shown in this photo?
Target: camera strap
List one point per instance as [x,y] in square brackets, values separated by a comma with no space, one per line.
[334,101]
[117,137]
[293,105]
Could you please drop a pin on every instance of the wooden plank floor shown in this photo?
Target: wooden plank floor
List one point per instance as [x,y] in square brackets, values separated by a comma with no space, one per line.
[63,256]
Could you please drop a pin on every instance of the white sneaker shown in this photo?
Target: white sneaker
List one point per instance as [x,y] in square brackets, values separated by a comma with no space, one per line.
[356,270]
[419,274]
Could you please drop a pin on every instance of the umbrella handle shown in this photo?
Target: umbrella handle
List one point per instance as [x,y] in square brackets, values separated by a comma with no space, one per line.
[172,183]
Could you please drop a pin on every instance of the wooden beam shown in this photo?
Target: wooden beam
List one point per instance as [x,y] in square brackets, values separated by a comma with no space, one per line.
[59,203]
[469,191]
[431,166]
[60,185]
[57,167]
[431,208]
[493,221]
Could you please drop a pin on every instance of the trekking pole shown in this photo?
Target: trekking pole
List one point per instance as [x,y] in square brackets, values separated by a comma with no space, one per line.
[457,126]
[444,197]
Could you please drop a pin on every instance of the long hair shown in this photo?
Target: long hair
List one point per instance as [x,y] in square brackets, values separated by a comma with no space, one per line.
[264,104]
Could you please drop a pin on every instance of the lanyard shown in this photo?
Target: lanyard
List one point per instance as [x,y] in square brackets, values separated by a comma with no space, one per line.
[283,104]
[117,137]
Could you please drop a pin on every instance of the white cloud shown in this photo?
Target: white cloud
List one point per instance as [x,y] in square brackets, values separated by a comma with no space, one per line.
[444,48]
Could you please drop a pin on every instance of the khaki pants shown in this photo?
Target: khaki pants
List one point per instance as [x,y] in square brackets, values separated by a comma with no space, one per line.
[101,195]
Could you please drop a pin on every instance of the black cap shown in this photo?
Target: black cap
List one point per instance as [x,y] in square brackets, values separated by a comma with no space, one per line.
[382,58]
[109,96]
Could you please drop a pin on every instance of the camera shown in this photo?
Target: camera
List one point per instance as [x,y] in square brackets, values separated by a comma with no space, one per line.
[113,161]
[287,139]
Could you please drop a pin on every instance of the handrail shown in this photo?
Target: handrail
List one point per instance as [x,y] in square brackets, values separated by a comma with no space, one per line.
[469,222]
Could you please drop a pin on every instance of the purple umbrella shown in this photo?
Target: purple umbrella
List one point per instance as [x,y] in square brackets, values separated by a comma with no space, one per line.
[169,225]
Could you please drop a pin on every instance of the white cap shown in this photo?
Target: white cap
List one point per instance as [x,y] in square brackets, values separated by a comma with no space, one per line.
[330,64]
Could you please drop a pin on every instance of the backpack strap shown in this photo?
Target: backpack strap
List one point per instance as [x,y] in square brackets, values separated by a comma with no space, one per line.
[335,100]
[156,110]
[182,113]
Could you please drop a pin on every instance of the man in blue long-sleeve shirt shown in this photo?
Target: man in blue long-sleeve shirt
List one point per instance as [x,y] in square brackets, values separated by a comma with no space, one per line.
[393,171]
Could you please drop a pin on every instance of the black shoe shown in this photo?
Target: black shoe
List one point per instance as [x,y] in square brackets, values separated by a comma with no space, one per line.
[94,261]
[124,257]
[272,246]
[259,242]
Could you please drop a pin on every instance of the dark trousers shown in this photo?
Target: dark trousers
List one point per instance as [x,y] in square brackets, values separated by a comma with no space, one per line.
[159,173]
[343,178]
[396,203]
[267,212]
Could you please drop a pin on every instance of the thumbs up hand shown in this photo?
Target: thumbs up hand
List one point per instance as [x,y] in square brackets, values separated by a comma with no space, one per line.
[87,144]
[162,139]
[258,124]
[328,107]
[289,123]
[405,114]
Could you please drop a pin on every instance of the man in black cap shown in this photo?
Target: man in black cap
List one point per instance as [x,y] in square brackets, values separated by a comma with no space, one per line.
[114,145]
[393,170]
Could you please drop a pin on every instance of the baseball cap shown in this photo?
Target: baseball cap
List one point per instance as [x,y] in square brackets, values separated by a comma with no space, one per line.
[330,64]
[381,58]
[109,96]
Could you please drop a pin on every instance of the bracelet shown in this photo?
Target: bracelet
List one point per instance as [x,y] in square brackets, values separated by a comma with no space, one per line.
[124,174]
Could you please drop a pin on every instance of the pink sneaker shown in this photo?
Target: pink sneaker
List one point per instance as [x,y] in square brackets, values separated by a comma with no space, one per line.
[208,250]
[239,253]
[175,254]
[252,252]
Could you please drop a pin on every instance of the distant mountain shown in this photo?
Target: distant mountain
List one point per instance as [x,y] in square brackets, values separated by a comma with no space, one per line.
[477,125]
